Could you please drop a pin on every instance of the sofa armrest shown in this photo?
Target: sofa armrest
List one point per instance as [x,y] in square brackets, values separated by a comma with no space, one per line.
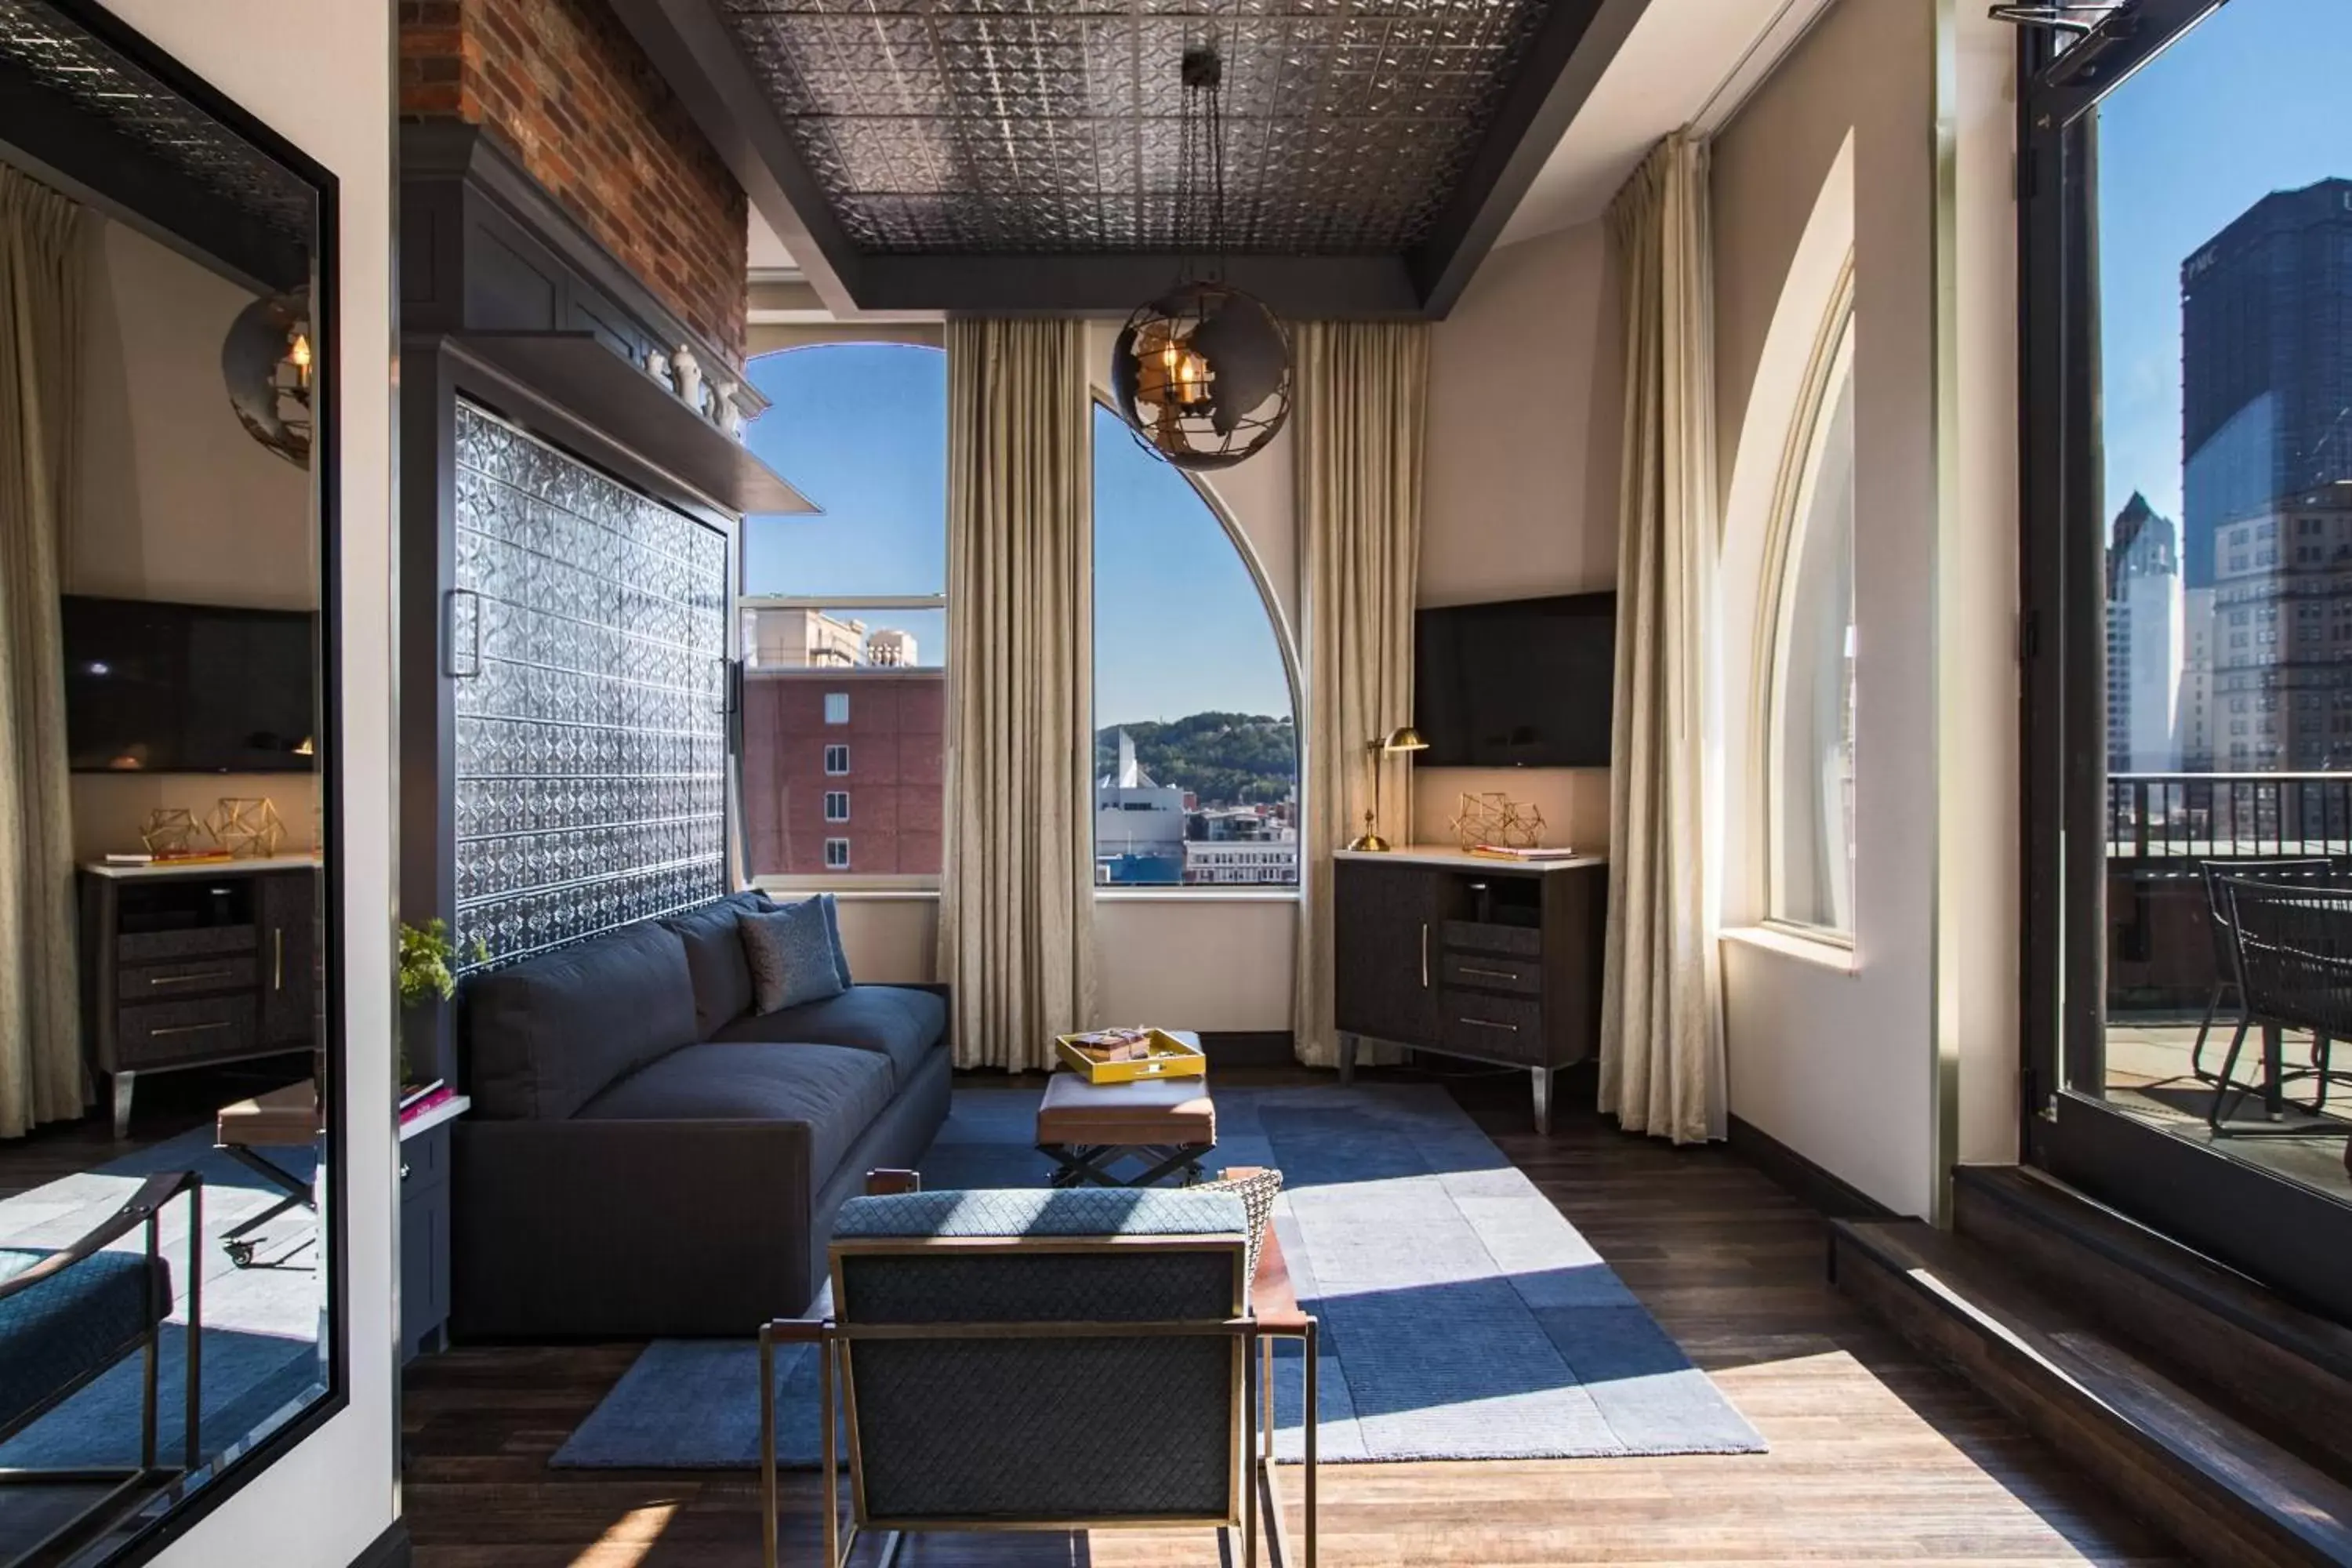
[608,1228]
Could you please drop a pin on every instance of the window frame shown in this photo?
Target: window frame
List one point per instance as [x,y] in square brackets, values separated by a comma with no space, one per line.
[830,862]
[2273,1229]
[1829,366]
[836,794]
[831,749]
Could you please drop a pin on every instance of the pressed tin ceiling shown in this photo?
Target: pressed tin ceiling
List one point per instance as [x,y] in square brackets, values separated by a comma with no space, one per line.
[992,125]
[1023,155]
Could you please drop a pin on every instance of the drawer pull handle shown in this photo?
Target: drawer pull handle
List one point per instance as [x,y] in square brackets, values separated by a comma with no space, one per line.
[190,979]
[186,1029]
[278,958]
[1490,974]
[1424,955]
[1490,1024]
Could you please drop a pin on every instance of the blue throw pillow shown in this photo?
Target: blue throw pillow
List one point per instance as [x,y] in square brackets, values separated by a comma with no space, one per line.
[792,955]
[833,927]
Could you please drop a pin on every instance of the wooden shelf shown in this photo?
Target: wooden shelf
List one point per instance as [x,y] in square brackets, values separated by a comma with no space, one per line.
[582,376]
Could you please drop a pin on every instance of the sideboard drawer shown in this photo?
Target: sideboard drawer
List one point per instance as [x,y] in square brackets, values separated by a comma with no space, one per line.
[1490,936]
[1480,971]
[162,1033]
[1503,1027]
[172,946]
[190,977]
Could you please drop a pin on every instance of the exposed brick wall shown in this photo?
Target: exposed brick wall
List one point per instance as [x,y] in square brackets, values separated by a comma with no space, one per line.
[562,85]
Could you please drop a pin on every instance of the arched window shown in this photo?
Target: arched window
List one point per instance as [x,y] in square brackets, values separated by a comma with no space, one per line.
[1196,744]
[845,617]
[1809,778]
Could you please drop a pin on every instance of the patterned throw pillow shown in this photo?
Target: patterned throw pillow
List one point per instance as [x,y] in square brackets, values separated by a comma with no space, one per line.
[791,953]
[1257,1193]
[831,924]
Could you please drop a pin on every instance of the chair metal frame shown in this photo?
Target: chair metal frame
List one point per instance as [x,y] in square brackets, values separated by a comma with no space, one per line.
[2267,997]
[1255,1490]
[126,1489]
[2310,868]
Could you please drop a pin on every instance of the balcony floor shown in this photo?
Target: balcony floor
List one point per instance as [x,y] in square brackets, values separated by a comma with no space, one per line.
[2149,1075]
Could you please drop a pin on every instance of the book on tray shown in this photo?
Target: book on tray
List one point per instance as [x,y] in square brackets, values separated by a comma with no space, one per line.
[1113,1045]
[416,1099]
[1522,852]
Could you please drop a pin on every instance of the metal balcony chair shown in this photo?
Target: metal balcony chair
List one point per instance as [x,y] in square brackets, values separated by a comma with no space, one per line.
[1053,1360]
[2291,954]
[2310,869]
[68,1316]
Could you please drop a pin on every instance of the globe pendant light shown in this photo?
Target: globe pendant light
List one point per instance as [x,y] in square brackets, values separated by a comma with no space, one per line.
[1202,372]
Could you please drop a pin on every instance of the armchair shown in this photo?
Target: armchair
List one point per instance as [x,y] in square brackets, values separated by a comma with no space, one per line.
[68,1316]
[1046,1360]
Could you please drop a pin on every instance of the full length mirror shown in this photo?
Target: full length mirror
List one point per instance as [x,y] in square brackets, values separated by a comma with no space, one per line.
[169,1247]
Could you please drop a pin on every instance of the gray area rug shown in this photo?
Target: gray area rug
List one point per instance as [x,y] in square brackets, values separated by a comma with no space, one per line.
[261,1324]
[1463,1317]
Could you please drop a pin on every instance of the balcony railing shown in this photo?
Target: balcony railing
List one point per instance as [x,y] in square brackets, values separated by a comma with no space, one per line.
[2223,817]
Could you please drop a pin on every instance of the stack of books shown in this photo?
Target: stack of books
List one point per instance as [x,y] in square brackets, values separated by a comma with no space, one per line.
[1520,852]
[416,1099]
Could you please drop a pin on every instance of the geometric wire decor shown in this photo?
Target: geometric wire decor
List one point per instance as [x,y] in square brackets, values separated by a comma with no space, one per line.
[983,125]
[589,633]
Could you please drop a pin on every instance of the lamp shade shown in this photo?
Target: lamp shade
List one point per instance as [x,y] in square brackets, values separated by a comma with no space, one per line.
[1203,375]
[1404,738]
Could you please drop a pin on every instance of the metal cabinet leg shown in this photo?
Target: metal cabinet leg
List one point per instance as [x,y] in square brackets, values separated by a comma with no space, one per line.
[122,1103]
[1346,1060]
[1543,1100]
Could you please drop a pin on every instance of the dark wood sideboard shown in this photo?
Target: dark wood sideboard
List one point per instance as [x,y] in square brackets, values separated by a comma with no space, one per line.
[185,966]
[1495,961]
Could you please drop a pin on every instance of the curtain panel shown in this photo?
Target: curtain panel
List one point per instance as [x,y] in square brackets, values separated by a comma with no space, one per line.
[40,334]
[1363,394]
[1661,1055]
[1017,897]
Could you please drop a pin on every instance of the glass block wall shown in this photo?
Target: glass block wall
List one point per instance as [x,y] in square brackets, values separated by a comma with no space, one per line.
[588,638]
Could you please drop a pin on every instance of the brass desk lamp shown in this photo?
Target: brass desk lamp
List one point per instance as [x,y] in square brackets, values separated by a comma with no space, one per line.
[1404,738]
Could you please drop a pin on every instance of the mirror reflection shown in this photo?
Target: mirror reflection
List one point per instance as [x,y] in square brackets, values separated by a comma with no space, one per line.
[166,1059]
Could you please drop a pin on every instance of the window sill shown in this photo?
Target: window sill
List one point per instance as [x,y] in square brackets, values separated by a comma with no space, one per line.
[1824,953]
[849,892]
[1204,893]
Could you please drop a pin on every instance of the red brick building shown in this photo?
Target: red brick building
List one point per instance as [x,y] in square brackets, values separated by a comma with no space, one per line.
[843,770]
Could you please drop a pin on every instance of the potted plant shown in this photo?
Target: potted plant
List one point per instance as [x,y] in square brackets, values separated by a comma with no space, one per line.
[426,981]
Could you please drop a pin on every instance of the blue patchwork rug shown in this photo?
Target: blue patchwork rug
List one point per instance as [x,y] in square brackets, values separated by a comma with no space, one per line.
[1463,1318]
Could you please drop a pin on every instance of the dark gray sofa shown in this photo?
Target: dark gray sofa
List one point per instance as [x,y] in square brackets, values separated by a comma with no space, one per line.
[646,1155]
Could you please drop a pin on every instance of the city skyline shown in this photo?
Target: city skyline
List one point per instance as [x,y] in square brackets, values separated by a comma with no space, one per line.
[1181,626]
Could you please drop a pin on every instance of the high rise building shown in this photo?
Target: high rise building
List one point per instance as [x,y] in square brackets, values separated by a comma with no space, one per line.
[2267,364]
[2144,641]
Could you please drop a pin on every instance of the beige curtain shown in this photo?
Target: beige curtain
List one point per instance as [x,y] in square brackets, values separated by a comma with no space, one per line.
[1362,396]
[40,324]
[1662,1066]
[1017,897]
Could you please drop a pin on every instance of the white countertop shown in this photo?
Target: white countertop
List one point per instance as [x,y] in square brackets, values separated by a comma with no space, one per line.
[126,872]
[1446,855]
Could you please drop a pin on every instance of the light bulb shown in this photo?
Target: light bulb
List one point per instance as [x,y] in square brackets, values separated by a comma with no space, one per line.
[299,355]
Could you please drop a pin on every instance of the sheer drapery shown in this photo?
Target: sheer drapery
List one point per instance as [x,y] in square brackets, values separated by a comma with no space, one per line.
[1016,899]
[1661,1055]
[40,317]
[1363,391]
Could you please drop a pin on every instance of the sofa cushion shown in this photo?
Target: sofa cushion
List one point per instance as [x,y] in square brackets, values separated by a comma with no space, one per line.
[837,1092]
[792,956]
[73,1323]
[714,956]
[547,1035]
[898,1021]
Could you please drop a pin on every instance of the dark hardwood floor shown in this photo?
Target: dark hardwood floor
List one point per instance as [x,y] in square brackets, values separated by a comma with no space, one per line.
[1878,1456]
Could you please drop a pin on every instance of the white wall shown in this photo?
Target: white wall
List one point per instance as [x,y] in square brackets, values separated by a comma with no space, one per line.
[175,500]
[1525,426]
[1836,1062]
[324,81]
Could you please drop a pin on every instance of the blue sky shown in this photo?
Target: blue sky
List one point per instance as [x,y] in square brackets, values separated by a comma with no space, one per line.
[2250,102]
[861,429]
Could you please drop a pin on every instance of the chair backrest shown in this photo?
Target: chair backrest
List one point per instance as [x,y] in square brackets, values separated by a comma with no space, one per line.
[2308,868]
[973,1422]
[2293,953]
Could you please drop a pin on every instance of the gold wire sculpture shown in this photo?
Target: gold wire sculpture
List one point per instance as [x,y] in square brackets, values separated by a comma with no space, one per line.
[1495,818]
[170,830]
[247,826]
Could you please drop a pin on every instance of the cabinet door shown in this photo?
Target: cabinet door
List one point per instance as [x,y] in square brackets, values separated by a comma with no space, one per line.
[288,930]
[1384,951]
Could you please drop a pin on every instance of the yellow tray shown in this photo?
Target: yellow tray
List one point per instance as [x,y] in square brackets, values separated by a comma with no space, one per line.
[1169,1057]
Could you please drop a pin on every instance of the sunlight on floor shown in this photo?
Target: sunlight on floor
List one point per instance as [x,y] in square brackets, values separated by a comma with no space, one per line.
[625,1544]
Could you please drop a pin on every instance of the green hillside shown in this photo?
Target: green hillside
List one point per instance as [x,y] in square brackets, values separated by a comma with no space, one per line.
[1226,759]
